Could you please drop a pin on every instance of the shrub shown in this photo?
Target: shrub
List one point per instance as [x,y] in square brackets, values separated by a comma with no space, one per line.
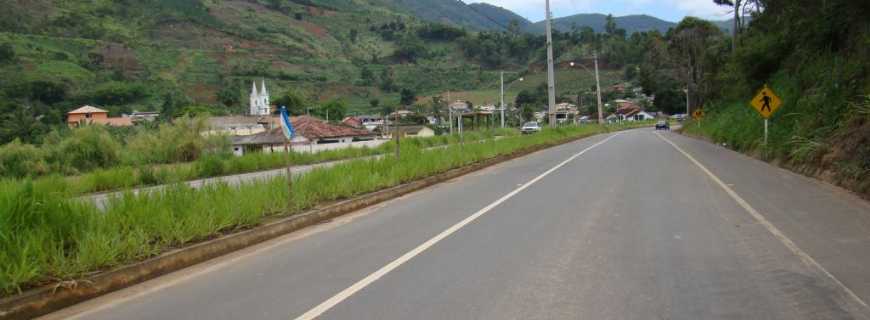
[88,148]
[22,160]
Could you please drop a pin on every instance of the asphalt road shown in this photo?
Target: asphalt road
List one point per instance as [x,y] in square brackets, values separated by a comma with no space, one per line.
[626,226]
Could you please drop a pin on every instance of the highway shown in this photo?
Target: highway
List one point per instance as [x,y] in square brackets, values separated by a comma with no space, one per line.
[632,225]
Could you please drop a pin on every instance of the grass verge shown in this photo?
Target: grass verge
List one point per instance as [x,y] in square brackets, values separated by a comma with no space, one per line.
[119,178]
[46,237]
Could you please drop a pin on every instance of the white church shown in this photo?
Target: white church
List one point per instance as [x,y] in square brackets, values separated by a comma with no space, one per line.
[260,101]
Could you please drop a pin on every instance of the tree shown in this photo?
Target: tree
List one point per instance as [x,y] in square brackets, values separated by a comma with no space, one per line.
[21,122]
[692,45]
[408,97]
[735,30]
[7,53]
[335,110]
[367,75]
[410,48]
[229,96]
[293,100]
[354,34]
[610,25]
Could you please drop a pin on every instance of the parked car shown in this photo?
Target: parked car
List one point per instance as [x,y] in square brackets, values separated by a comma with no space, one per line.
[531,127]
[663,125]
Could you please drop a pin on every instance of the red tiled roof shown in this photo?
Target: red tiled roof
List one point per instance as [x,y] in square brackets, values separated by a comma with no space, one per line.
[313,128]
[353,122]
[87,109]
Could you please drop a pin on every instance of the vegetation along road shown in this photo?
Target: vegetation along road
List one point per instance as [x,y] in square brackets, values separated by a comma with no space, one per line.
[673,227]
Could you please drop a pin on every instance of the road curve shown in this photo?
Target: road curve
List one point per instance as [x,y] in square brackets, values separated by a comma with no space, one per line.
[634,225]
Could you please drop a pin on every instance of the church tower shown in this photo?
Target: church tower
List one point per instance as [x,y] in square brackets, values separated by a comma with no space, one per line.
[260,104]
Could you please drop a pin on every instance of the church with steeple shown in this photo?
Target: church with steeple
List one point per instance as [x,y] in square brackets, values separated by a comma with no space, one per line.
[260,101]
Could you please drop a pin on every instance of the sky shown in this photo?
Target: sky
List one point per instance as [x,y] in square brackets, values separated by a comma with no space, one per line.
[671,10]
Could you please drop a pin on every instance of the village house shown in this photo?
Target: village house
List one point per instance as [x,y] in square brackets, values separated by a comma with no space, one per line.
[240,125]
[313,135]
[92,115]
[139,117]
[412,132]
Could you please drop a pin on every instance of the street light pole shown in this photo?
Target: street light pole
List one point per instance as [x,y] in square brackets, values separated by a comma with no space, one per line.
[503,88]
[502,99]
[598,88]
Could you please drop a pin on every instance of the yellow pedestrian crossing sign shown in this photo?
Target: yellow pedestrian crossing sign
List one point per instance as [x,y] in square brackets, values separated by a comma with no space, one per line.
[766,102]
[698,114]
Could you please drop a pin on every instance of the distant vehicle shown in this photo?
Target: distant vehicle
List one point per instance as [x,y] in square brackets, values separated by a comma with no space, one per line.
[531,127]
[679,117]
[663,125]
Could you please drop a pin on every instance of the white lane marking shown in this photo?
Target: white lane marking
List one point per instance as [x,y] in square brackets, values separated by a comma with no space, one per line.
[359,285]
[805,257]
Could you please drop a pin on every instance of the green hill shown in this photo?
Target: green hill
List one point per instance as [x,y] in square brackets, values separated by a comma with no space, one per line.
[501,16]
[453,12]
[631,24]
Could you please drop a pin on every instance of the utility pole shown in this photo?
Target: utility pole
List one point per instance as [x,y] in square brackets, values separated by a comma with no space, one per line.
[687,101]
[598,88]
[502,99]
[450,111]
[397,133]
[551,79]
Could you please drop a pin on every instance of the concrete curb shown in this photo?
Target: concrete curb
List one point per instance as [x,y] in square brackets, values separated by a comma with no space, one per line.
[47,299]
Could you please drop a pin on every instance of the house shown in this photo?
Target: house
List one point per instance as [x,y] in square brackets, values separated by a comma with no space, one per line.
[565,112]
[352,122]
[266,142]
[487,109]
[321,132]
[312,135]
[92,115]
[641,116]
[401,114]
[412,132]
[139,117]
[459,106]
[240,125]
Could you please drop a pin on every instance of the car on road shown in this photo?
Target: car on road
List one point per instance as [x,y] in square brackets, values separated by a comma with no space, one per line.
[531,127]
[663,125]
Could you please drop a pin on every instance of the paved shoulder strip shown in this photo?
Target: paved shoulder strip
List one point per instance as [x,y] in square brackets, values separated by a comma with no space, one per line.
[346,293]
[806,258]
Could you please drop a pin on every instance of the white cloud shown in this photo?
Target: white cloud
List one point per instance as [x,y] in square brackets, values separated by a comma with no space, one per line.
[701,8]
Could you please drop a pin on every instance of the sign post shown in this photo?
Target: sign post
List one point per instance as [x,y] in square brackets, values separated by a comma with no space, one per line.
[698,115]
[766,102]
[289,133]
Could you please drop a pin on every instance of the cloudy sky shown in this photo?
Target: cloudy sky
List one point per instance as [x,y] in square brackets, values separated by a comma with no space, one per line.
[671,10]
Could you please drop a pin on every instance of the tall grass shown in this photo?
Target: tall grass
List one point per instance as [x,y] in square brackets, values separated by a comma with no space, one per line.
[46,236]
[219,164]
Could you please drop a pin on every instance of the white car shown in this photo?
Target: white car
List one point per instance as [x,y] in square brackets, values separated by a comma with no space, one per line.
[530,127]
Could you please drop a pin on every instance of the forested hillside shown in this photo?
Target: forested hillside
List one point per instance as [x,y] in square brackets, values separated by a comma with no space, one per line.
[814,56]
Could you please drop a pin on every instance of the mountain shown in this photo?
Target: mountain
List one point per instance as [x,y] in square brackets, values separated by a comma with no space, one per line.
[453,12]
[631,23]
[499,15]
